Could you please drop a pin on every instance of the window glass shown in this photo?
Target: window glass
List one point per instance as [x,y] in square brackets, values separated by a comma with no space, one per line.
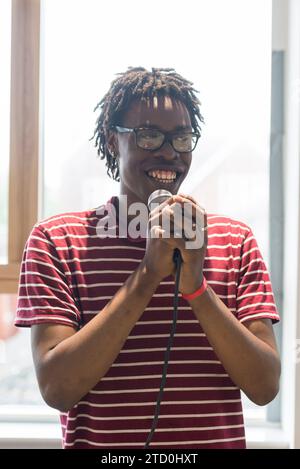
[18,384]
[213,45]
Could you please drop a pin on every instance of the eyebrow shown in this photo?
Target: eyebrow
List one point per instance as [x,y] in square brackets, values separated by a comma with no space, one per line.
[178,127]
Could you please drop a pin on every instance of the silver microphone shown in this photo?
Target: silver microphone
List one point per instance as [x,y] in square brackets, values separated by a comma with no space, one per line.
[161,195]
[158,197]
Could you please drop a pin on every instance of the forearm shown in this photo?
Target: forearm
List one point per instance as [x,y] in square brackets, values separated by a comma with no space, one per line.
[251,363]
[77,363]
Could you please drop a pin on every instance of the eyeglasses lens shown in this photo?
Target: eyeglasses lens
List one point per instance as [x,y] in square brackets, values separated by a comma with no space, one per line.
[151,139]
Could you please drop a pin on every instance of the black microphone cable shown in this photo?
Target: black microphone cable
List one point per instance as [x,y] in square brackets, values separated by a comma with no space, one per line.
[178,261]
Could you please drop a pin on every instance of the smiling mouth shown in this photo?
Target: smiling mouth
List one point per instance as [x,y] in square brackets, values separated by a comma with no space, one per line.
[163,176]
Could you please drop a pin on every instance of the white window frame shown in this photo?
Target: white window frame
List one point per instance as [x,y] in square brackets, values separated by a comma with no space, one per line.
[287,18]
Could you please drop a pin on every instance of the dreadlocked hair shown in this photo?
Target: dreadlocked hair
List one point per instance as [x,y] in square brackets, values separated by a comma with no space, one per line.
[137,82]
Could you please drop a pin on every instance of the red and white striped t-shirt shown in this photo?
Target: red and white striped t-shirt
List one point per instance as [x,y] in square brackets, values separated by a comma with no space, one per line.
[68,275]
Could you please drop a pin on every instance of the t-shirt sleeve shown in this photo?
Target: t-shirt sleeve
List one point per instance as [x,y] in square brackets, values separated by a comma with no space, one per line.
[255,299]
[44,295]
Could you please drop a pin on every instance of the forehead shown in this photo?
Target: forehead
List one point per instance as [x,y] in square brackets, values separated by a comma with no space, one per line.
[162,111]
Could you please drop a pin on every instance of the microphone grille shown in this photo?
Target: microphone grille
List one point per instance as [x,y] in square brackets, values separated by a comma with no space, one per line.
[158,196]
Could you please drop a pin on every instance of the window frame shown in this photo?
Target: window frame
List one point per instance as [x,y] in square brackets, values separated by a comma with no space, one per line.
[24,158]
[24,136]
[276,221]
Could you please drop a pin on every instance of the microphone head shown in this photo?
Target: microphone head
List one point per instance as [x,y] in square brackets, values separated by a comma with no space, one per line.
[158,197]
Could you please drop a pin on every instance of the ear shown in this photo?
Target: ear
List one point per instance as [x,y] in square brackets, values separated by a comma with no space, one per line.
[112,143]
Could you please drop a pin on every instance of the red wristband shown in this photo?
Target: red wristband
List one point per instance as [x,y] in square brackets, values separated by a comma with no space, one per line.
[198,292]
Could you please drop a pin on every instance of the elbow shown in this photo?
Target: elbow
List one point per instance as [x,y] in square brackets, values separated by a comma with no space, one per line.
[267,389]
[264,395]
[57,398]
[59,390]
[60,405]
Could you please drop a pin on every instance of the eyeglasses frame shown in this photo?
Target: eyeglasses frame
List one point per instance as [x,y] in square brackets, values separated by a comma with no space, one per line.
[166,135]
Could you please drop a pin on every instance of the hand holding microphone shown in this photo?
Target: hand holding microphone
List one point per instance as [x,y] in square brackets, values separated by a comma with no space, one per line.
[179,239]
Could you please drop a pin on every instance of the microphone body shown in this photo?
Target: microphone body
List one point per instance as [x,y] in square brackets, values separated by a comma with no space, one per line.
[158,197]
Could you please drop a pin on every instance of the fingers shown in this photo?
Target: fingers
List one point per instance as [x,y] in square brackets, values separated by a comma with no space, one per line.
[189,204]
[180,216]
[161,206]
[156,232]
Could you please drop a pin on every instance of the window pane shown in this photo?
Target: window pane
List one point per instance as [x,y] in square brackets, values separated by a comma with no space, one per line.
[215,48]
[18,385]
[5,35]
[232,74]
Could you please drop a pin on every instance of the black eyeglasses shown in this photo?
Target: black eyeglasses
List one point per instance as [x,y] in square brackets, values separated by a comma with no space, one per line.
[152,139]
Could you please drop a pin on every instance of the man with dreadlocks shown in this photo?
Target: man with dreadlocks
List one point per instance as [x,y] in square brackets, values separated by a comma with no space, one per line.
[101,308]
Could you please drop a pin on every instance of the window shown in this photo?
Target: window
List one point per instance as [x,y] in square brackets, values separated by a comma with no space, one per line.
[20,54]
[89,42]
[19,147]
[230,170]
[232,72]
[17,382]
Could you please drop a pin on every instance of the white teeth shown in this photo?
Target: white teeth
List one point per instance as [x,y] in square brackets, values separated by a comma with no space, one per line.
[163,175]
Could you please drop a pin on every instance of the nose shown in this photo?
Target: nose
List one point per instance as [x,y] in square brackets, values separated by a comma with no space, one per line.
[167,151]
